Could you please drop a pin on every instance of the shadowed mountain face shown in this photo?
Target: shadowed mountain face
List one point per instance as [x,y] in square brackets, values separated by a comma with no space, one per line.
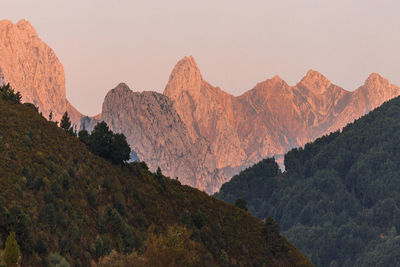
[32,68]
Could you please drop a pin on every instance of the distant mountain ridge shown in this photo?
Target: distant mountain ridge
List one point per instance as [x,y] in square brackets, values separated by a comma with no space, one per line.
[210,134]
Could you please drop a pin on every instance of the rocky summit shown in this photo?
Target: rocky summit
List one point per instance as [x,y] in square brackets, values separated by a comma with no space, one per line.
[158,135]
[33,68]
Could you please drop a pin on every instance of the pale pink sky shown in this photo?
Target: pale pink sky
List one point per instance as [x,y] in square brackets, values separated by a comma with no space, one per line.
[235,43]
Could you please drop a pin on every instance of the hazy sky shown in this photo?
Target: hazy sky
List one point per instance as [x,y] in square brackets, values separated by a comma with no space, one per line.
[235,43]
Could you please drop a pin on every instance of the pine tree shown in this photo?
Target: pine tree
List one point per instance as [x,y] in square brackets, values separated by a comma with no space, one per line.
[100,140]
[159,173]
[66,123]
[12,252]
[83,135]
[120,150]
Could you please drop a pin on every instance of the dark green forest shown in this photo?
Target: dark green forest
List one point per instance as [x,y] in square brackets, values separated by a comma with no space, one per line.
[64,203]
[338,200]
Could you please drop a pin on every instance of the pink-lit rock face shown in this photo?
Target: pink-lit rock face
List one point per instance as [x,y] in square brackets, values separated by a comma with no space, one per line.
[194,131]
[32,68]
[206,111]
[158,135]
[272,117]
[204,135]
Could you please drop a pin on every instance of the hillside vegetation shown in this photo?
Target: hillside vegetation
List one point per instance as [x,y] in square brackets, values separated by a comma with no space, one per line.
[66,204]
[339,198]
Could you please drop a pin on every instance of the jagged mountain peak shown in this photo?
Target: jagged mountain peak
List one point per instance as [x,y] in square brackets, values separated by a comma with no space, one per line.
[32,68]
[315,82]
[26,26]
[122,87]
[5,22]
[185,76]
[274,84]
[313,74]
[188,60]
[375,79]
[186,66]
[276,80]
[21,26]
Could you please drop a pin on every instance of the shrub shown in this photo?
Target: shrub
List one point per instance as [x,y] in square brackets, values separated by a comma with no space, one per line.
[12,252]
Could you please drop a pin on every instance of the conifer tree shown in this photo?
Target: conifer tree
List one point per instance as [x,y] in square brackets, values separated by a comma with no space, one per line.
[66,123]
[100,140]
[83,135]
[12,252]
[120,150]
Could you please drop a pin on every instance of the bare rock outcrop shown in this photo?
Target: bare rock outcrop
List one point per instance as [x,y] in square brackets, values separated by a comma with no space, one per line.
[157,134]
[32,68]
[367,97]
[271,118]
[207,112]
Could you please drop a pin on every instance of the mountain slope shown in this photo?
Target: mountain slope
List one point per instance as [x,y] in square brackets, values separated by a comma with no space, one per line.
[59,197]
[28,64]
[339,198]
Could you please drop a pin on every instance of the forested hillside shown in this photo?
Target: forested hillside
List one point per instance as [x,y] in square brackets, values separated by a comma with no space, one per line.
[339,198]
[67,205]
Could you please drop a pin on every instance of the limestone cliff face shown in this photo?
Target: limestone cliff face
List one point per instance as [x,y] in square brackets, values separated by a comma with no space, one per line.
[369,96]
[203,135]
[157,134]
[32,68]
[206,111]
[265,121]
[269,119]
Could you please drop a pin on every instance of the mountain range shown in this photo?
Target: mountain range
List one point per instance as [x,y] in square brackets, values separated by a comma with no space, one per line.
[210,135]
[195,131]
